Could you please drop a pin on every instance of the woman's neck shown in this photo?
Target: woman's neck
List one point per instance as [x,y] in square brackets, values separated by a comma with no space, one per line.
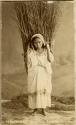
[40,50]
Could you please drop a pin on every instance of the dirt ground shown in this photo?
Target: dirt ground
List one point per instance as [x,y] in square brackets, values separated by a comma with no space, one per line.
[21,115]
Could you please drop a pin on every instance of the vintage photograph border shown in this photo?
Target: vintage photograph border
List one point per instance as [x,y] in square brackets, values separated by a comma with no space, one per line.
[74,46]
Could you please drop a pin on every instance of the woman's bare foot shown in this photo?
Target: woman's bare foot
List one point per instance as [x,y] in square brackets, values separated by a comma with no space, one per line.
[43,112]
[34,111]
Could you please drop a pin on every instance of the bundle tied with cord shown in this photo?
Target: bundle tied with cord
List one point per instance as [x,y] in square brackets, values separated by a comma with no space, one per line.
[37,17]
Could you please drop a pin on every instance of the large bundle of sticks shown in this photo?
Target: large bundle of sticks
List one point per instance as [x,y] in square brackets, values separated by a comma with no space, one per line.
[37,17]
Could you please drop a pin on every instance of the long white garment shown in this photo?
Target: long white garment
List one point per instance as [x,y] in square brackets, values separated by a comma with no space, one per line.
[39,79]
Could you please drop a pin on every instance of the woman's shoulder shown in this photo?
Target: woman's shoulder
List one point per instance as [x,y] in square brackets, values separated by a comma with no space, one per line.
[29,51]
[45,50]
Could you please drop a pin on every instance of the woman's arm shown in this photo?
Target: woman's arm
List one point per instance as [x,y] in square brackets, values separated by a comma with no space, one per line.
[50,56]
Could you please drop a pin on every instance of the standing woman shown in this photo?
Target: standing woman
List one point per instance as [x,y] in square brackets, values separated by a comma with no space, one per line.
[39,59]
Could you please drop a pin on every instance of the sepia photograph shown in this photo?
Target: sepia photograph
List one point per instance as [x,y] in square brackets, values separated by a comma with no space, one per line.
[37,62]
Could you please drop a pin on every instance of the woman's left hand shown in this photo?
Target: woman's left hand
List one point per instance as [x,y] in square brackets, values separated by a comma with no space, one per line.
[47,45]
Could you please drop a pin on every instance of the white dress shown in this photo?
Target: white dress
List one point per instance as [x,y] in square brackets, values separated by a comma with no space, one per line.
[39,79]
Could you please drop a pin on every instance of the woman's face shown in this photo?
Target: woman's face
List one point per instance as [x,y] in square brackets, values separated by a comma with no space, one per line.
[38,43]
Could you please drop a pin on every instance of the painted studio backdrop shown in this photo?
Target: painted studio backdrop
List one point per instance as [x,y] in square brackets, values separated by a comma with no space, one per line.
[13,67]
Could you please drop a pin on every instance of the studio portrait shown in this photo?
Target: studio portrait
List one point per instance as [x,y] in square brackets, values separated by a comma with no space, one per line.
[37,63]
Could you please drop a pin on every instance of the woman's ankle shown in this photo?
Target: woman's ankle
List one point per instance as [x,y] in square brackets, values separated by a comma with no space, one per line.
[43,109]
[43,112]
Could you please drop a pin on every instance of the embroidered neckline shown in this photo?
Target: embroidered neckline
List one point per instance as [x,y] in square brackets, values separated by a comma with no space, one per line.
[39,54]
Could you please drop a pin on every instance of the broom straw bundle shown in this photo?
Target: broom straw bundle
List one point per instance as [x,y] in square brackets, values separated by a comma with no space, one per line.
[36,17]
